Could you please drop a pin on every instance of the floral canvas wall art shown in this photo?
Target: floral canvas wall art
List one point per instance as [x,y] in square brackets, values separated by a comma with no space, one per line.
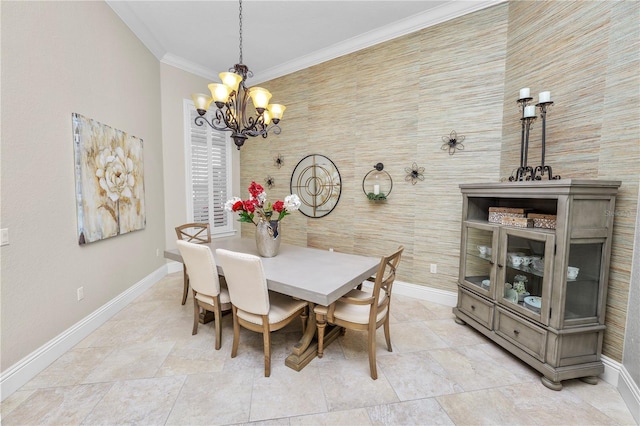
[109,180]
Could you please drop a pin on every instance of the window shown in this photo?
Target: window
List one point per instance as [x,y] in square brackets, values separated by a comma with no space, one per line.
[208,172]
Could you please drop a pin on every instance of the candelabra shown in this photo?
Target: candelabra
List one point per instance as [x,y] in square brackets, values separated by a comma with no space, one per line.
[543,168]
[526,172]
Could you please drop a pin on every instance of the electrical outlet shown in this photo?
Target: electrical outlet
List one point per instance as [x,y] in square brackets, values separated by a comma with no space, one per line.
[434,268]
[157,252]
[80,293]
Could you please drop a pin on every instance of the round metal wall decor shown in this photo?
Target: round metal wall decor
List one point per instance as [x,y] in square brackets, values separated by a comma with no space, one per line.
[317,182]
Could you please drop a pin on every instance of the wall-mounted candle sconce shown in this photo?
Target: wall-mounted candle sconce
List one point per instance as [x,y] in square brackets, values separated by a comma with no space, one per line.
[377,183]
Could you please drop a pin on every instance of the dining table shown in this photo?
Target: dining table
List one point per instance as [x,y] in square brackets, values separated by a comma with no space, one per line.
[317,276]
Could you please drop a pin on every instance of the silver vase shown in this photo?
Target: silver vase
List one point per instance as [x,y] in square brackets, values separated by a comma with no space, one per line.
[268,238]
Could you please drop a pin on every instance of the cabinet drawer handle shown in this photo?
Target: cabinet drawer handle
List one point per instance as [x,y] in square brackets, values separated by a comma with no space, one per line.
[516,332]
[500,265]
[491,262]
[473,307]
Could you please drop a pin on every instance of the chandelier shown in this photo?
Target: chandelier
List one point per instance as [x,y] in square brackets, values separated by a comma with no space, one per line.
[231,98]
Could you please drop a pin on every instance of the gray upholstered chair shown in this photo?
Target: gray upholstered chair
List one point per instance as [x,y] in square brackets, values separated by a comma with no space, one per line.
[363,309]
[254,307]
[208,293]
[198,233]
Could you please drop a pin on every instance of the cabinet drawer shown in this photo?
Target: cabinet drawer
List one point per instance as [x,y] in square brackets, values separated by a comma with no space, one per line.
[527,336]
[476,307]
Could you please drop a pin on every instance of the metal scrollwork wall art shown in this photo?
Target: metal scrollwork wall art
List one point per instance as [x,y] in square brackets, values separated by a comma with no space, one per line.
[317,182]
[452,142]
[414,174]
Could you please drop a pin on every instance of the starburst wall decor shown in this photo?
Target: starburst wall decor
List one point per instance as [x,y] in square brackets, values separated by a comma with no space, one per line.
[278,160]
[414,174]
[452,142]
[269,182]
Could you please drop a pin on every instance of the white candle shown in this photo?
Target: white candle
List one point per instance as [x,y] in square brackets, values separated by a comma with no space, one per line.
[376,189]
[525,93]
[530,111]
[544,97]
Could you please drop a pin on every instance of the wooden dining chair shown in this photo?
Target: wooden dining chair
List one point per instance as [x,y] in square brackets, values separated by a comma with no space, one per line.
[198,233]
[253,306]
[363,309]
[208,293]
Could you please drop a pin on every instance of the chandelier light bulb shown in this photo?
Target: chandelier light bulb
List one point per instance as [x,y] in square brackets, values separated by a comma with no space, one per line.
[201,102]
[220,93]
[260,97]
[276,111]
[231,79]
[266,117]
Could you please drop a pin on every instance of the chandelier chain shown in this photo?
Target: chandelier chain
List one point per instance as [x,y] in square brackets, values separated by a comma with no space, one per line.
[240,19]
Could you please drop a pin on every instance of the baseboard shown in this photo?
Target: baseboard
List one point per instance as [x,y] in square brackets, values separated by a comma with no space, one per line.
[27,368]
[630,393]
[174,267]
[435,295]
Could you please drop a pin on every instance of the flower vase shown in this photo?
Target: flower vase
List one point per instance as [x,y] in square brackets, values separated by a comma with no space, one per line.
[268,238]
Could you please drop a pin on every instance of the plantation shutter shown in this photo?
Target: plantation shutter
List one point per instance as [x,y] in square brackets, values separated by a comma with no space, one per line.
[210,173]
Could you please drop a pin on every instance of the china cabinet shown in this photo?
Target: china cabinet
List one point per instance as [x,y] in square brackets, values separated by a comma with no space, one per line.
[539,292]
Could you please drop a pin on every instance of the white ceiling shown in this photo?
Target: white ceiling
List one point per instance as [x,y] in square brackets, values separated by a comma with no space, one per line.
[279,37]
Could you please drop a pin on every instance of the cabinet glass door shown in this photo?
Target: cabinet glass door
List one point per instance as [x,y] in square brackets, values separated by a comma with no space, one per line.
[583,282]
[478,255]
[526,268]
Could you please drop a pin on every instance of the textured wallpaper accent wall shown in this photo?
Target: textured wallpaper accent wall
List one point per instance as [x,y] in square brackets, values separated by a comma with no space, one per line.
[588,55]
[393,102]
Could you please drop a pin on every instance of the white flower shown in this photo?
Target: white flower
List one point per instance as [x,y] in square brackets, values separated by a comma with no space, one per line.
[228,206]
[292,202]
[262,197]
[115,173]
[519,287]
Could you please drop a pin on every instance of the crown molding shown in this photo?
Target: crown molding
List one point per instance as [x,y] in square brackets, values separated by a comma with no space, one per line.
[446,12]
[146,37]
[443,13]
[192,67]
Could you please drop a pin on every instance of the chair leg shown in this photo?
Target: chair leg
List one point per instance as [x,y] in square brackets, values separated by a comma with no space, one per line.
[196,315]
[387,334]
[185,278]
[266,337]
[236,332]
[217,314]
[322,324]
[372,352]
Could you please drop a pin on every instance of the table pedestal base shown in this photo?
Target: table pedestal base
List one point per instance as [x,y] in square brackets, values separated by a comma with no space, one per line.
[307,348]
[205,317]
[208,316]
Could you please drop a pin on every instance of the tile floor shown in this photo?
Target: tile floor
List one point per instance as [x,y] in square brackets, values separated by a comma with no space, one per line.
[144,367]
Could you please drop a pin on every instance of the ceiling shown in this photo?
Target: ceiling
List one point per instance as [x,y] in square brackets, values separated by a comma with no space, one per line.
[279,37]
